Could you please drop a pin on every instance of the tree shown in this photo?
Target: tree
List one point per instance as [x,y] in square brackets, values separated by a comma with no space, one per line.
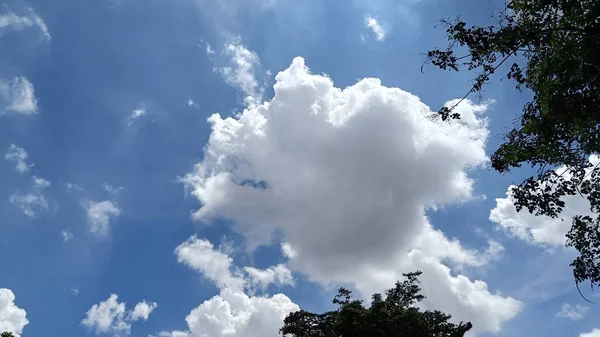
[554,48]
[7,334]
[396,316]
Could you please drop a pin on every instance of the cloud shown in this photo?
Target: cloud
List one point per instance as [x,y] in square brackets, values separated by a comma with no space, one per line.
[215,265]
[12,318]
[345,177]
[594,333]
[18,155]
[31,203]
[113,190]
[40,183]
[67,236]
[575,313]
[72,186]
[135,115]
[10,20]
[99,215]
[241,69]
[232,313]
[143,310]
[17,96]
[540,230]
[262,278]
[111,316]
[375,27]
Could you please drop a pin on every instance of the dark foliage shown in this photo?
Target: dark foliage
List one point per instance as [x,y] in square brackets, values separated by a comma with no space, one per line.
[7,334]
[554,48]
[396,316]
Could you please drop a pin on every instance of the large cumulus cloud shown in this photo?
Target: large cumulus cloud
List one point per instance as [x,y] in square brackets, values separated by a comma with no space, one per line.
[342,178]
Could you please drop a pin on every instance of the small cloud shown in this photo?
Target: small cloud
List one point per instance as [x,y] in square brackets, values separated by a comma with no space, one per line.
[72,186]
[10,20]
[375,27]
[34,202]
[18,156]
[40,183]
[241,70]
[136,114]
[192,104]
[113,190]
[99,215]
[30,203]
[575,313]
[112,316]
[142,311]
[72,291]
[17,96]
[209,49]
[67,236]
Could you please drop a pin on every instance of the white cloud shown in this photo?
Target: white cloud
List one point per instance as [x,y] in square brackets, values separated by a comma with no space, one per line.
[136,114]
[375,27]
[262,278]
[143,310]
[12,318]
[40,183]
[215,265]
[232,313]
[17,96]
[113,190]
[99,215]
[111,316]
[241,70]
[18,155]
[575,313]
[67,236]
[72,186]
[31,203]
[594,333]
[346,177]
[10,20]
[539,230]
[209,49]
[108,316]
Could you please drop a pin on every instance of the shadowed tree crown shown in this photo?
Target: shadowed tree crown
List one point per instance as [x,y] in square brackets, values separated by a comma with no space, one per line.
[394,316]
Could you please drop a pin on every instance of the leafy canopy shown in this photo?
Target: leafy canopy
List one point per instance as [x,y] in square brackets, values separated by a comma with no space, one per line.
[554,48]
[7,334]
[396,316]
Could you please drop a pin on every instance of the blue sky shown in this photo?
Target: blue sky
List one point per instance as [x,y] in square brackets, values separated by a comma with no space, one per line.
[116,182]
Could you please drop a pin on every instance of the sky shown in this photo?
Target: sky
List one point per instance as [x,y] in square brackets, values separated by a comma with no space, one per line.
[203,168]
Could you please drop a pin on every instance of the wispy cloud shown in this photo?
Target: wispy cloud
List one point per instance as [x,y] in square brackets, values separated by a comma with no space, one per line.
[40,183]
[67,236]
[11,20]
[99,215]
[18,155]
[135,115]
[113,190]
[240,72]
[30,203]
[33,202]
[375,27]
[575,313]
[17,96]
